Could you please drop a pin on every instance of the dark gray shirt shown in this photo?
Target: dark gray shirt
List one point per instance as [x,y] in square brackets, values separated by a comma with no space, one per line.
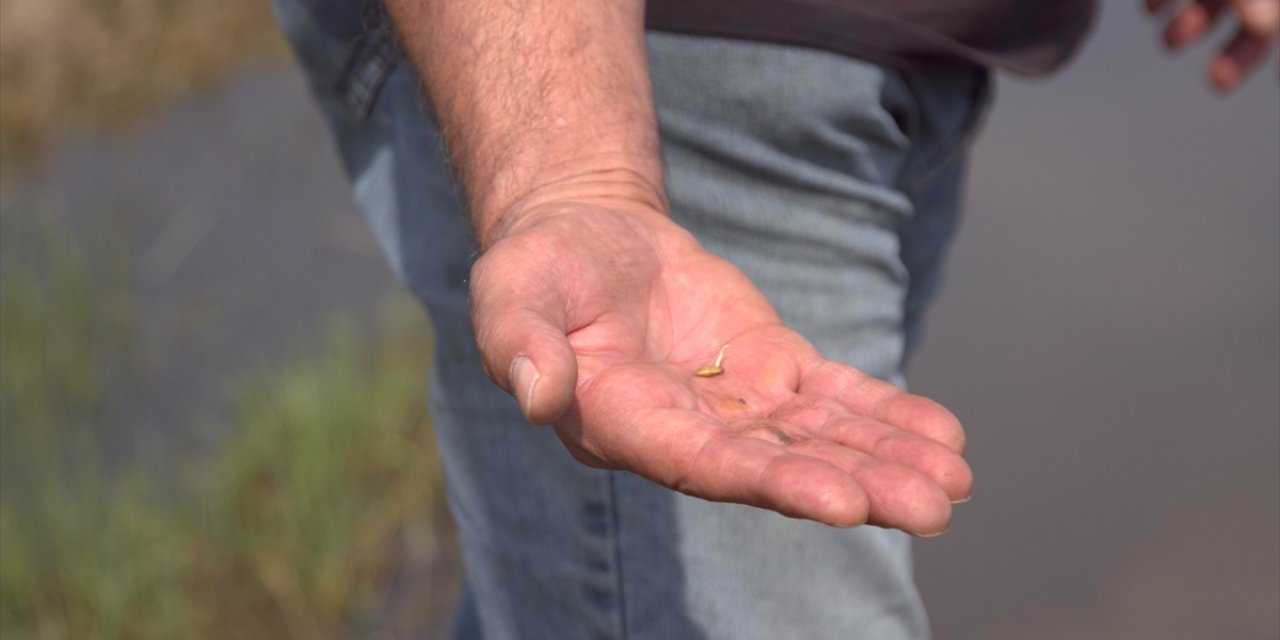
[1030,37]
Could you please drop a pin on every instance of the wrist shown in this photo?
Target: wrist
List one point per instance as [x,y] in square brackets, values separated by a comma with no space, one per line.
[590,185]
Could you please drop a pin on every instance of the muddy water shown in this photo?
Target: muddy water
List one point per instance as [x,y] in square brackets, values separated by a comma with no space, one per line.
[242,242]
[1110,332]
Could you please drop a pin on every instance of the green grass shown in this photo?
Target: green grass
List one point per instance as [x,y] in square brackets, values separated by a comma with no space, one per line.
[290,529]
[287,531]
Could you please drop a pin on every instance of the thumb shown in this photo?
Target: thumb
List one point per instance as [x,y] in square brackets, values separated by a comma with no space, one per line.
[520,331]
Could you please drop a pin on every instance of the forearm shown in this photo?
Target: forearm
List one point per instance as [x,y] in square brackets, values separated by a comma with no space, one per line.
[540,101]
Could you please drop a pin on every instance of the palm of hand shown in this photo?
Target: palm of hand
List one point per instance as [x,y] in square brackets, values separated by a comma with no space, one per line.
[639,307]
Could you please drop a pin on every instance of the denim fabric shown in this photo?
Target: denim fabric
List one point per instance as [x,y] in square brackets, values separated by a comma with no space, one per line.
[831,182]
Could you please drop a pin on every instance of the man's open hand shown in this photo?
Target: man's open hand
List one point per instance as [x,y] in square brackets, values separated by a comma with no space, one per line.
[596,320]
[595,310]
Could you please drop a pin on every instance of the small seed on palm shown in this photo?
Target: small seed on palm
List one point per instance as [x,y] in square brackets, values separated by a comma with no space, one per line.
[712,369]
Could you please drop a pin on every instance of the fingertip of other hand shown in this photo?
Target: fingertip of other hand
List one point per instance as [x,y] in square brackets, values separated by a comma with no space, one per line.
[1260,17]
[1224,74]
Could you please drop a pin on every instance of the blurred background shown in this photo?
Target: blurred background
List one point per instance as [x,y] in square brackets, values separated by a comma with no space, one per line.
[211,411]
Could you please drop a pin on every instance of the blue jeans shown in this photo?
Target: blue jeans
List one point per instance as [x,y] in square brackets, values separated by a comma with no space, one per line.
[831,182]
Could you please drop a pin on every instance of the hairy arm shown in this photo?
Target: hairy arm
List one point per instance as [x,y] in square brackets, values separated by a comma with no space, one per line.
[540,100]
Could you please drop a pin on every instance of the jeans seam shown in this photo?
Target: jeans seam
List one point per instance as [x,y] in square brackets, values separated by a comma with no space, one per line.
[620,623]
[371,64]
[934,164]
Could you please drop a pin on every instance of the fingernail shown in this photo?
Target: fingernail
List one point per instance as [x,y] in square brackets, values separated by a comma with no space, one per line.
[524,380]
[962,500]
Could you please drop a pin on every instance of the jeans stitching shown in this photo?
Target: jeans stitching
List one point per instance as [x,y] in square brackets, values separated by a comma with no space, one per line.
[372,61]
[620,613]
[935,163]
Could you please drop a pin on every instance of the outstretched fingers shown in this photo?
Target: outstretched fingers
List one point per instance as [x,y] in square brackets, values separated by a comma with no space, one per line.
[1190,20]
[753,471]
[696,454]
[864,395]
[828,422]
[817,480]
[687,450]
[1243,53]
[898,496]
